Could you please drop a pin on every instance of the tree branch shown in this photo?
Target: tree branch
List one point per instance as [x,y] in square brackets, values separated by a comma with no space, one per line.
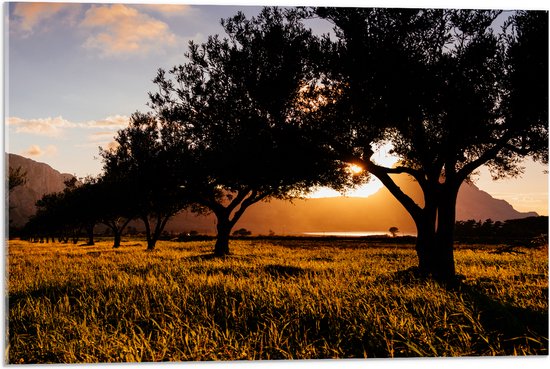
[250,200]
[482,159]
[382,173]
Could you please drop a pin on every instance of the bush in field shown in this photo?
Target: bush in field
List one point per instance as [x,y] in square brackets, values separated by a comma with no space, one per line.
[242,232]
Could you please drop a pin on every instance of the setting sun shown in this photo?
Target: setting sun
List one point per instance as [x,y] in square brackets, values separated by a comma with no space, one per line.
[355,169]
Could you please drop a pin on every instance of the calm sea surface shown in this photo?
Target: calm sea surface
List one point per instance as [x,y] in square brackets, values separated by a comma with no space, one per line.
[354,234]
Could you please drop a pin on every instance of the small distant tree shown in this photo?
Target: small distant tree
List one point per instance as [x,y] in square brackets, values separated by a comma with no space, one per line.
[242,232]
[58,214]
[50,219]
[16,177]
[84,202]
[393,231]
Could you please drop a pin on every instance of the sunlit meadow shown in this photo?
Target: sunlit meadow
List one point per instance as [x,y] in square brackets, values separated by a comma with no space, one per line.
[271,299]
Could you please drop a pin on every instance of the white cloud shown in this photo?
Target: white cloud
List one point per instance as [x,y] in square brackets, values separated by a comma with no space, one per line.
[55,127]
[113,121]
[52,127]
[37,151]
[119,30]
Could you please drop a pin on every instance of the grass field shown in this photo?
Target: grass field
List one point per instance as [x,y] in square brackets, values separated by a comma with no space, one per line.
[271,299]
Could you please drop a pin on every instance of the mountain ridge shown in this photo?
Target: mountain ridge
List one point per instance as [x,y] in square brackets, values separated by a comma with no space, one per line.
[377,212]
[40,179]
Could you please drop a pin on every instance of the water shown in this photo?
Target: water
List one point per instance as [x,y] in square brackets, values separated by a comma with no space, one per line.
[350,234]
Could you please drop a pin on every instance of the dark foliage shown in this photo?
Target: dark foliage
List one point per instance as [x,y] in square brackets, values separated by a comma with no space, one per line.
[140,172]
[16,177]
[449,91]
[233,118]
[531,231]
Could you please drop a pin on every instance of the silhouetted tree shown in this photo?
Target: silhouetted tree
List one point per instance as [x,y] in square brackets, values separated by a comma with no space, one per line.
[393,231]
[515,231]
[242,232]
[234,115]
[16,177]
[82,198]
[449,91]
[115,205]
[142,167]
[49,220]
[56,216]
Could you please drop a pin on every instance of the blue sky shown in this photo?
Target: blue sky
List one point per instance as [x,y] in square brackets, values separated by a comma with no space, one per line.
[75,72]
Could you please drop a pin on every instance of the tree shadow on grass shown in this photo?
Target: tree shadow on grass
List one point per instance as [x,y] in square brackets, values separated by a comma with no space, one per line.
[511,325]
[284,271]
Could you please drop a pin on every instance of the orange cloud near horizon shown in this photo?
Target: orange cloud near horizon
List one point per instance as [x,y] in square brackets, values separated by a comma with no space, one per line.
[52,127]
[37,151]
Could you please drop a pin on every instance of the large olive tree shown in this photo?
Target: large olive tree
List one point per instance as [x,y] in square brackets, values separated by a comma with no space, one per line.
[450,90]
[234,115]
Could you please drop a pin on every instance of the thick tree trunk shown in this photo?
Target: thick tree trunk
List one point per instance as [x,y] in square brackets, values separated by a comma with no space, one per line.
[151,243]
[90,234]
[117,239]
[444,267]
[425,240]
[221,248]
[435,241]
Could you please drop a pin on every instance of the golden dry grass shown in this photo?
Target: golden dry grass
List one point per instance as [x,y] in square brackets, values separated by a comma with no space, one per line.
[278,299]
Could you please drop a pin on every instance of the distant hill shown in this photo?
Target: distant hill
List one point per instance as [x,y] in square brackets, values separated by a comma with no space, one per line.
[41,179]
[377,212]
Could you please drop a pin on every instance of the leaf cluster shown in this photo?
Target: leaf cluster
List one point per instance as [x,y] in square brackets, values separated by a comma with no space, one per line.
[447,89]
[233,114]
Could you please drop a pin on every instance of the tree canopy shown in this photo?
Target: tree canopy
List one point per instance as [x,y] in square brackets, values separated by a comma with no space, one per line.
[141,170]
[448,90]
[234,118]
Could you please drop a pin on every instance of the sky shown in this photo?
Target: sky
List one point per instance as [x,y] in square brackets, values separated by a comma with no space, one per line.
[75,72]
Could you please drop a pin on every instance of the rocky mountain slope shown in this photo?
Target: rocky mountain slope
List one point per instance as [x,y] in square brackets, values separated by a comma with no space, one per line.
[41,179]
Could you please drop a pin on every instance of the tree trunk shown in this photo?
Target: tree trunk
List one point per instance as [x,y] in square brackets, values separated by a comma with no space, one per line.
[90,233]
[117,238]
[117,230]
[151,243]
[435,243]
[154,235]
[221,248]
[425,240]
[444,264]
